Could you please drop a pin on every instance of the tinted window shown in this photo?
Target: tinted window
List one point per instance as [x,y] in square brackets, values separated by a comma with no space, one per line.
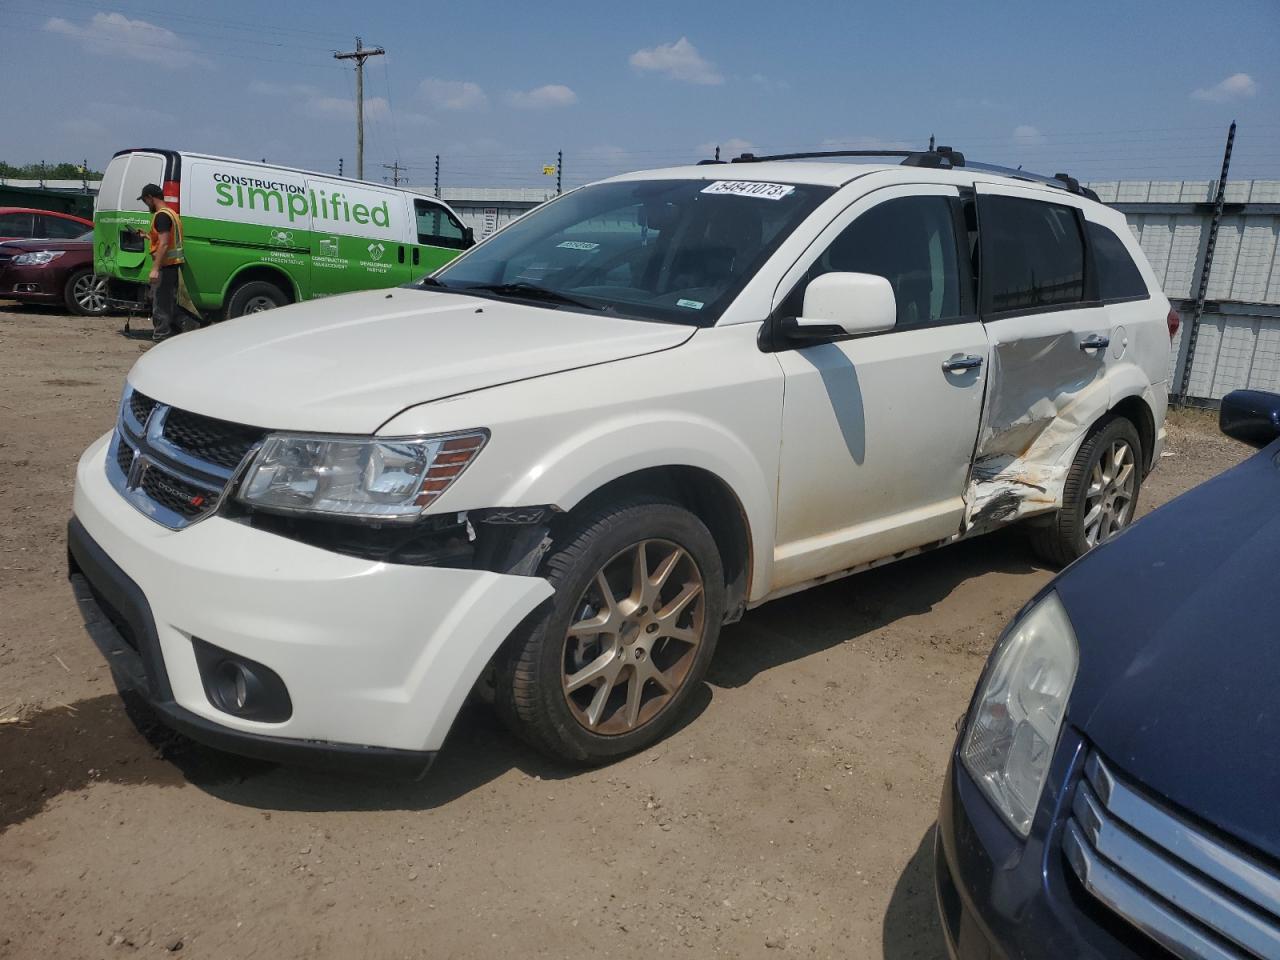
[911,242]
[436,227]
[1032,254]
[15,225]
[1118,275]
[56,228]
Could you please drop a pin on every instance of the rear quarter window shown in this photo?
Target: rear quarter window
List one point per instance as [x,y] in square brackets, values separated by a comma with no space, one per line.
[1118,276]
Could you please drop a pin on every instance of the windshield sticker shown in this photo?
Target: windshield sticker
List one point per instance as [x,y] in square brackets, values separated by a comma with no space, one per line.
[691,304]
[577,245]
[750,188]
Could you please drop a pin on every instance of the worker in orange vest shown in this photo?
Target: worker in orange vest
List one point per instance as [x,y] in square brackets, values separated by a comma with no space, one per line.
[166,263]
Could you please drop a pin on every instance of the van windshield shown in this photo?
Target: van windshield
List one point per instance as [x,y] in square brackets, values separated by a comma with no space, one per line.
[671,250]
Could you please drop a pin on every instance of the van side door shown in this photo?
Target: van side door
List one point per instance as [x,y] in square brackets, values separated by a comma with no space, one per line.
[1050,342]
[441,236]
[878,430]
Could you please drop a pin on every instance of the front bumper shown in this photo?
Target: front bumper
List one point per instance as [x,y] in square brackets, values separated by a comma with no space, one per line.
[374,655]
[34,284]
[1000,897]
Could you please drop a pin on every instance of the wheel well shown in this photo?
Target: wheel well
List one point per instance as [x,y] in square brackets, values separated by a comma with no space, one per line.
[1135,410]
[708,498]
[270,275]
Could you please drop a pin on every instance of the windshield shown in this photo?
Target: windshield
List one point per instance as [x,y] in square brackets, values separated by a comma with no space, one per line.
[672,250]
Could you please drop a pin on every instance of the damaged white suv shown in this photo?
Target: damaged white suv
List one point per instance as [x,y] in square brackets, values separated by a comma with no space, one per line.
[555,468]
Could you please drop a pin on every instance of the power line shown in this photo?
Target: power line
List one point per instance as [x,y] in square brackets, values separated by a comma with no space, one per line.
[360,54]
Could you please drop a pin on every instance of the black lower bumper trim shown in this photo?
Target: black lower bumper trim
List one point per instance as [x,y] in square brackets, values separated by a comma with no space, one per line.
[109,601]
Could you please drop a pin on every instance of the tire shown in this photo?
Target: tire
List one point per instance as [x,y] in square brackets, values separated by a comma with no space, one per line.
[254,297]
[1094,481]
[664,635]
[85,294]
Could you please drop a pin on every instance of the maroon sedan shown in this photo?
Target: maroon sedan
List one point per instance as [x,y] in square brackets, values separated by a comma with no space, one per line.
[26,223]
[52,272]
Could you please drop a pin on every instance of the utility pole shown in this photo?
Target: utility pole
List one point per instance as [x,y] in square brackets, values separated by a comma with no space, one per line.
[717,153]
[360,54]
[437,175]
[559,169]
[1206,267]
[395,169]
[931,141]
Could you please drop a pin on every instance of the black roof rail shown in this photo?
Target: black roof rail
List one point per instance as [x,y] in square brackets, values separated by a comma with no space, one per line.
[938,158]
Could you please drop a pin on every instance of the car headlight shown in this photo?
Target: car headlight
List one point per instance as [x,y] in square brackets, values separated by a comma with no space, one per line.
[357,477]
[37,258]
[1018,711]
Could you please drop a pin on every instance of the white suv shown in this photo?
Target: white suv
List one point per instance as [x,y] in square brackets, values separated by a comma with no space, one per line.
[554,469]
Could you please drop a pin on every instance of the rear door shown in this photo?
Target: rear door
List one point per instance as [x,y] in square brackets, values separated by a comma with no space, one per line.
[878,431]
[1050,340]
[120,219]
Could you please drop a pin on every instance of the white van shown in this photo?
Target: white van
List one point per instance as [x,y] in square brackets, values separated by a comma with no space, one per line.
[259,236]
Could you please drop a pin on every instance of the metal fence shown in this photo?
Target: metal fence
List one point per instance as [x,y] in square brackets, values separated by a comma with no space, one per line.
[1239,338]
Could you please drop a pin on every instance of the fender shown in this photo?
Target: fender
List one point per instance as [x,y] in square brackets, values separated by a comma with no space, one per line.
[234,280]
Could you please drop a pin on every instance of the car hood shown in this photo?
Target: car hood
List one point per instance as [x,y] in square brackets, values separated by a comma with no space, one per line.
[14,247]
[1180,651]
[348,364]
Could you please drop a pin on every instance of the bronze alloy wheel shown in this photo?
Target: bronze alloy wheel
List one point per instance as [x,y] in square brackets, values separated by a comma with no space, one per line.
[1109,498]
[634,638]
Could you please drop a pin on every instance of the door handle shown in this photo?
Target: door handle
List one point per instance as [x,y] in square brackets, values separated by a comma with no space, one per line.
[1095,342]
[415,256]
[402,254]
[961,361]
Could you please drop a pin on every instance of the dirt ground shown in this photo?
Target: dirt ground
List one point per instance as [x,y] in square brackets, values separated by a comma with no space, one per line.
[792,816]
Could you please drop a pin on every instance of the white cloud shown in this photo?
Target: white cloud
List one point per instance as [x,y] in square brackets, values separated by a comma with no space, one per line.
[1238,86]
[729,148]
[453,94]
[551,95]
[115,35]
[1025,135]
[679,60]
[125,113]
[375,108]
[768,83]
[283,89]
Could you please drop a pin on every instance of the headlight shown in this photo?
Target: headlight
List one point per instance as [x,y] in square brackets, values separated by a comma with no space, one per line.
[357,477]
[37,259]
[1017,714]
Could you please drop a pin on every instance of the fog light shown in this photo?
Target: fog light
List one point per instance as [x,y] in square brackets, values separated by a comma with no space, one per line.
[240,686]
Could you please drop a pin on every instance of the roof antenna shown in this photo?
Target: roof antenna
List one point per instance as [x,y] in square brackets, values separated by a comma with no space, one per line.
[931,143]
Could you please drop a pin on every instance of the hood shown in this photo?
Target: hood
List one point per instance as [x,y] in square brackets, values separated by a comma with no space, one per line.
[14,247]
[348,364]
[1178,621]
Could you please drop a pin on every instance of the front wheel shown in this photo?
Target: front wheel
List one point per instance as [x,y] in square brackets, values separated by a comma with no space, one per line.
[1100,496]
[85,294]
[607,666]
[254,297]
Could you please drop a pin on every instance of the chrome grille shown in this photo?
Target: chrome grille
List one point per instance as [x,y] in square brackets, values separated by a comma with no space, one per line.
[1189,891]
[173,465]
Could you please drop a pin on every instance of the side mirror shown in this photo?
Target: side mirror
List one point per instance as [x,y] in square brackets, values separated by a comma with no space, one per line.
[469,237]
[1251,416]
[845,304]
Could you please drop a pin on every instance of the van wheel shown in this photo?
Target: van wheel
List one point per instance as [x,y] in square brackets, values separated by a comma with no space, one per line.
[608,664]
[1100,496]
[254,297]
[85,294]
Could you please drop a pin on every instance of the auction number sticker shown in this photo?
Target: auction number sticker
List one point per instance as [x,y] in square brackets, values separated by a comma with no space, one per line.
[750,188]
[577,245]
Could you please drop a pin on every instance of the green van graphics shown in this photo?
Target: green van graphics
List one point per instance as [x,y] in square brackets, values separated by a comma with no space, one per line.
[258,236]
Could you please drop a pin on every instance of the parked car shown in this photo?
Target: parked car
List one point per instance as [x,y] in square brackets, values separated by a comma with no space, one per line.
[52,272]
[1113,791]
[559,464]
[27,223]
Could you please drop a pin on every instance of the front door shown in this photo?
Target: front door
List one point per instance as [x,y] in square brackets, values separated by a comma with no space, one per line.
[878,431]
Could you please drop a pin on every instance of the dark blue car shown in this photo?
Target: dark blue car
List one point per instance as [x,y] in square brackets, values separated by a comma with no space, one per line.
[1115,788]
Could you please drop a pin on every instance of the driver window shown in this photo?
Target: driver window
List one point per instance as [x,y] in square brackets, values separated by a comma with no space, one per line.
[436,228]
[910,241]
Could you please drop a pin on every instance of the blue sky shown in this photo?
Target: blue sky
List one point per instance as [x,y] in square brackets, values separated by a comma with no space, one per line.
[1101,89]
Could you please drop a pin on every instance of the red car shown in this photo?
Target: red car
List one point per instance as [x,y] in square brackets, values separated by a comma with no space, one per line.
[53,272]
[24,223]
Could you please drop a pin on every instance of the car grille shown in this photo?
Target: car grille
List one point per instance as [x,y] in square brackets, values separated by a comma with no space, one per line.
[174,465]
[1193,893]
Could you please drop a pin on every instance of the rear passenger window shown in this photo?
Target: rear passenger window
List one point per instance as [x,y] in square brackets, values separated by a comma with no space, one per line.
[16,225]
[910,241]
[1032,254]
[1118,276]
